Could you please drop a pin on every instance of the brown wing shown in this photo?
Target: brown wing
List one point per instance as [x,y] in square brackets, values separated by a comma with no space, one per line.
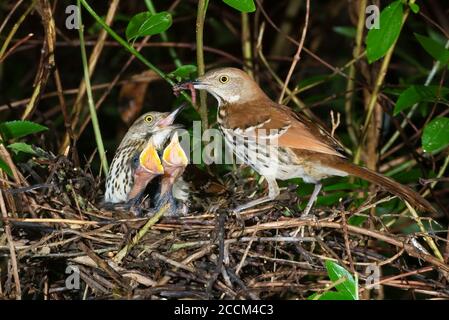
[298,131]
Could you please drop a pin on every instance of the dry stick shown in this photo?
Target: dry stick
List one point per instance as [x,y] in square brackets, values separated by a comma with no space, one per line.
[12,250]
[411,250]
[201,15]
[352,72]
[245,254]
[428,239]
[142,232]
[346,238]
[11,12]
[301,105]
[298,53]
[48,57]
[403,275]
[310,53]
[14,47]
[15,27]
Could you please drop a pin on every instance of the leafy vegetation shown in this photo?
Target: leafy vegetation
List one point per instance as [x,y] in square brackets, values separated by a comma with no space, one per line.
[69,92]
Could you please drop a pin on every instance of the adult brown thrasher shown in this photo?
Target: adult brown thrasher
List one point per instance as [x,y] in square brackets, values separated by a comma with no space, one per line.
[136,161]
[279,143]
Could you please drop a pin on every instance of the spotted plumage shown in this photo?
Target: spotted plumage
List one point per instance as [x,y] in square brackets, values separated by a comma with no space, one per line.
[152,128]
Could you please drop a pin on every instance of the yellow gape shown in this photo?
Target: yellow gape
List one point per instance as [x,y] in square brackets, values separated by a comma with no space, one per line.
[173,154]
[150,161]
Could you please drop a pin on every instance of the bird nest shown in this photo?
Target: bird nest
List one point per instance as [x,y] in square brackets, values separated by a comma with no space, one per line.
[60,244]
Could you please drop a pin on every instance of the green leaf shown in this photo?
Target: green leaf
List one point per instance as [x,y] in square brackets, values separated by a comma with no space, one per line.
[19,128]
[434,48]
[336,272]
[21,147]
[147,24]
[348,32]
[414,7]
[241,5]
[183,72]
[331,295]
[378,41]
[436,135]
[416,94]
[356,220]
[4,166]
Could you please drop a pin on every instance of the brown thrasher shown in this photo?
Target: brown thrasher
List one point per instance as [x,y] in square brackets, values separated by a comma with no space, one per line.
[136,162]
[279,143]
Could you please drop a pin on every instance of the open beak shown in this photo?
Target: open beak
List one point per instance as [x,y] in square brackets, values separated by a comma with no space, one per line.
[150,161]
[174,155]
[168,120]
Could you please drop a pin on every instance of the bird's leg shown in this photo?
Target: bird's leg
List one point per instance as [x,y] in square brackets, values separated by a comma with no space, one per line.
[312,199]
[309,205]
[273,192]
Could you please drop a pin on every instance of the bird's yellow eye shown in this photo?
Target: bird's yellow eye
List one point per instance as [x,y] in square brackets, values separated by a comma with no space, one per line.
[149,119]
[223,79]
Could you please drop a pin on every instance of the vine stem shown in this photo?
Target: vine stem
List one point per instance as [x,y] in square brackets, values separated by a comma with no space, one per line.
[130,48]
[200,17]
[352,72]
[90,100]
[375,94]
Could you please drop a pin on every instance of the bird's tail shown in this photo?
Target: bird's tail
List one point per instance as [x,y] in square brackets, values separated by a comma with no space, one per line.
[412,197]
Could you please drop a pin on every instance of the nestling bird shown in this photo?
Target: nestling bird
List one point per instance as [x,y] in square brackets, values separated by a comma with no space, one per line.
[279,143]
[172,187]
[136,161]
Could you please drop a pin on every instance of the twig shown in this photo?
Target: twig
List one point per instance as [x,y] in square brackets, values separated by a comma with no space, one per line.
[15,27]
[12,250]
[142,232]
[298,53]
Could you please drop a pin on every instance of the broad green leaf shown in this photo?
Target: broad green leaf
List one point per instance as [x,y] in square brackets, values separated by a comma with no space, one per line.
[147,24]
[19,128]
[434,48]
[331,295]
[336,272]
[436,135]
[184,72]
[414,7]
[378,41]
[348,32]
[241,5]
[415,94]
[356,220]
[21,147]
[4,166]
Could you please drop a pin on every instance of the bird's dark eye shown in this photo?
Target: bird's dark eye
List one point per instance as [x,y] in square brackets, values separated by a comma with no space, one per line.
[149,119]
[223,79]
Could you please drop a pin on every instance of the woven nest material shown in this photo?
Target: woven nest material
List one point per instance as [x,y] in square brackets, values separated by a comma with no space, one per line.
[59,231]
